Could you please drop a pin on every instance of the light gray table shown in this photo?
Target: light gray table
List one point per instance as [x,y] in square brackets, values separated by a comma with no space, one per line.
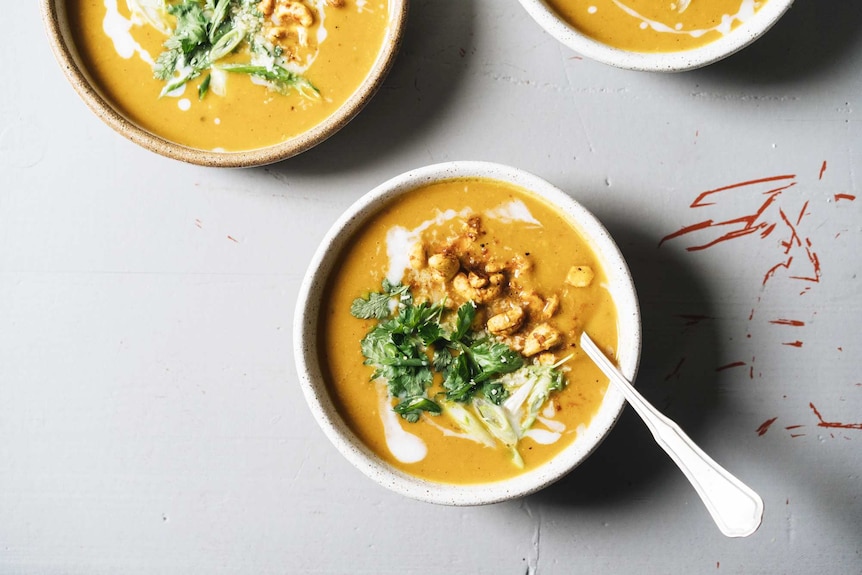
[150,419]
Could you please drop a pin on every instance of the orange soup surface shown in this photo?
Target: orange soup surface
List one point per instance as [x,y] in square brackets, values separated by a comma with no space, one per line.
[500,285]
[240,74]
[656,26]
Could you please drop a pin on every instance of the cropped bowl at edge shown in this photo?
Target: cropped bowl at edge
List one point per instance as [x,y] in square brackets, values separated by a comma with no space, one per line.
[678,61]
[62,43]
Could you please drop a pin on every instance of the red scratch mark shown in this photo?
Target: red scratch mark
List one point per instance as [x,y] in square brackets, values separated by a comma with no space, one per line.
[789,427]
[795,435]
[730,365]
[675,371]
[833,424]
[199,223]
[791,322]
[233,239]
[839,197]
[796,343]
[764,427]
[822,170]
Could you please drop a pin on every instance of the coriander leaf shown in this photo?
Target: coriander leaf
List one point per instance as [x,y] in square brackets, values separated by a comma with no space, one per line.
[441,359]
[458,380]
[495,392]
[376,304]
[494,358]
[465,316]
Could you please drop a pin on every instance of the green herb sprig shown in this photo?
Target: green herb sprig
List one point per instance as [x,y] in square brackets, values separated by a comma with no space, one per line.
[207,31]
[412,344]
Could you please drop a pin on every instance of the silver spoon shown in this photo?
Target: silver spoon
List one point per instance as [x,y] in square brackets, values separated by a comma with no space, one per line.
[735,507]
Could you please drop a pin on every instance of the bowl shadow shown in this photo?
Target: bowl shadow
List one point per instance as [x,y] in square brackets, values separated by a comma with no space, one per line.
[806,42]
[422,81]
[676,374]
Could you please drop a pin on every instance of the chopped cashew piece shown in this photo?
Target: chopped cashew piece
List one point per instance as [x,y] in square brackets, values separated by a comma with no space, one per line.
[266,7]
[542,338]
[507,322]
[550,307]
[476,280]
[416,256]
[580,276]
[446,265]
[293,12]
[462,286]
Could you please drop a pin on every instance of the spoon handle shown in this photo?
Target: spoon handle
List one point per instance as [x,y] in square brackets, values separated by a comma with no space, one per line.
[735,507]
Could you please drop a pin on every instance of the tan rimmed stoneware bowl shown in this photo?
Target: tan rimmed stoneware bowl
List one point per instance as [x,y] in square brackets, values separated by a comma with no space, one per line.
[62,43]
[308,356]
[730,43]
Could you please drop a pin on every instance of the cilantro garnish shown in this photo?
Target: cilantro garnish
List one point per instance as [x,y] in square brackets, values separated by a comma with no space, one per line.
[207,31]
[412,344]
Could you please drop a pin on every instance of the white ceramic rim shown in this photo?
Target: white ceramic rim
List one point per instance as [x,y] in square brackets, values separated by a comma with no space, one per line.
[709,53]
[60,39]
[311,377]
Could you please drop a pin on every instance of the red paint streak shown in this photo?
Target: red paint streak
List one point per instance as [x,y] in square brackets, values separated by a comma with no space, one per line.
[833,424]
[775,268]
[791,322]
[795,435]
[675,371]
[199,223]
[796,343]
[839,197]
[822,170]
[730,365]
[749,222]
[764,427]
[231,238]
[765,220]
[789,427]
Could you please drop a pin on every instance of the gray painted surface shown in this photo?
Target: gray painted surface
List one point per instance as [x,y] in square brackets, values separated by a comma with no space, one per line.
[150,420]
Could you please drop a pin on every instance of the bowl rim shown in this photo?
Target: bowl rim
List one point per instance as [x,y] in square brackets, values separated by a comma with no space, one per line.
[310,373]
[743,35]
[54,23]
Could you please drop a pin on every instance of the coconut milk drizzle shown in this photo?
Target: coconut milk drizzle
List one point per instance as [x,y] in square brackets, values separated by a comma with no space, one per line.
[118,28]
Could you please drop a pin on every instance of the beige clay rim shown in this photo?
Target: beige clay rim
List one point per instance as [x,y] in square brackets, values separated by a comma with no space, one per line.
[53,16]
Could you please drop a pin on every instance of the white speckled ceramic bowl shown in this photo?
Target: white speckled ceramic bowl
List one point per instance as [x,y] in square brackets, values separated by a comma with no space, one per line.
[736,40]
[308,360]
[62,43]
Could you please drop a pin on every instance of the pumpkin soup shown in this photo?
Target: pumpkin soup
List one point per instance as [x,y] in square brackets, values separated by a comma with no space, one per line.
[650,26]
[450,327]
[228,75]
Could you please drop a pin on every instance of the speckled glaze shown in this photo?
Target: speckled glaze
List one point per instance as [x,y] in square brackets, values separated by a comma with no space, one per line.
[60,38]
[308,362]
[736,40]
